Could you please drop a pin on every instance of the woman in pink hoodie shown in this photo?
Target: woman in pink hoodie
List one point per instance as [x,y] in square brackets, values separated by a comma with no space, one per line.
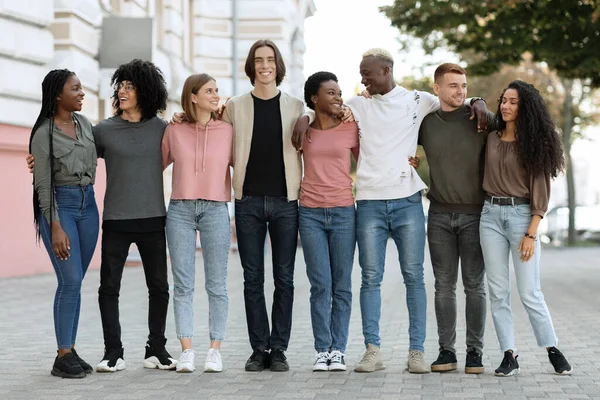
[201,153]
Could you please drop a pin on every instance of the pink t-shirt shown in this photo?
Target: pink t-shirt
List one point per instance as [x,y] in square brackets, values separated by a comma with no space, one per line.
[327,181]
[201,157]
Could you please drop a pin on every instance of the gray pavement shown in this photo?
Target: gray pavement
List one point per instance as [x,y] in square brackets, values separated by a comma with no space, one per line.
[570,281]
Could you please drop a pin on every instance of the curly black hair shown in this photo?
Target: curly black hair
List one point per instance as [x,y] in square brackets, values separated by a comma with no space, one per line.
[313,83]
[538,145]
[52,86]
[149,84]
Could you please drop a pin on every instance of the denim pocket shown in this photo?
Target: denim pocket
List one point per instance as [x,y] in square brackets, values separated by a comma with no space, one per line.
[486,208]
[415,198]
[523,210]
[361,202]
[243,199]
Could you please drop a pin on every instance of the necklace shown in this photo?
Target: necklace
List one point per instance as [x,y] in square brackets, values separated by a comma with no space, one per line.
[61,122]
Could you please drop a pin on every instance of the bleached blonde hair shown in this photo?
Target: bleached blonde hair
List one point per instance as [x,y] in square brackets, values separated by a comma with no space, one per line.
[380,54]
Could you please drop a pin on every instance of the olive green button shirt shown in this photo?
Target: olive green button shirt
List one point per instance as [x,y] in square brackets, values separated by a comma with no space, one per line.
[74,160]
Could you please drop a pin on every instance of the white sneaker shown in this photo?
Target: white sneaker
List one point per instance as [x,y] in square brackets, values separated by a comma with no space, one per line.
[111,362]
[337,361]
[213,361]
[186,361]
[321,362]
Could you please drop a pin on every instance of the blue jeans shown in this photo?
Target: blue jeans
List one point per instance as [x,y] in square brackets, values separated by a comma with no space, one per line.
[501,231]
[211,219]
[253,216]
[403,220]
[452,237]
[328,238]
[78,215]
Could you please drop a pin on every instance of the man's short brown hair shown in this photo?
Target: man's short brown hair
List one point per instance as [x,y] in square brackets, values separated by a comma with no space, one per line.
[447,68]
[250,67]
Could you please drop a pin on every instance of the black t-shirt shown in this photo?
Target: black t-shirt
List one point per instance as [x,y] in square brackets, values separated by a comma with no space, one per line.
[265,171]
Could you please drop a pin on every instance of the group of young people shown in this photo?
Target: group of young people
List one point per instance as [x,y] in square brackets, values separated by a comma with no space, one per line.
[291,175]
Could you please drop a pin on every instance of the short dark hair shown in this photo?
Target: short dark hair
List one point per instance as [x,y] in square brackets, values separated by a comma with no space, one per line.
[250,67]
[313,83]
[149,83]
[446,68]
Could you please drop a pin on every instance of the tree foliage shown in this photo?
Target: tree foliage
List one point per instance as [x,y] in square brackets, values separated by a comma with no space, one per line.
[565,34]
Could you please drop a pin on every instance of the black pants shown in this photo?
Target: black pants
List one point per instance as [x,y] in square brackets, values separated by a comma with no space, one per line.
[254,215]
[115,248]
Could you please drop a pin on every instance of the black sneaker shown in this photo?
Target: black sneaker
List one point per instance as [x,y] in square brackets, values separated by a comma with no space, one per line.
[258,361]
[559,362]
[446,361]
[278,361]
[158,358]
[473,365]
[509,365]
[87,368]
[112,361]
[67,367]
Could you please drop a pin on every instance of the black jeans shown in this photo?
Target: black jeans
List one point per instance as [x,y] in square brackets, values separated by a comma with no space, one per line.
[253,216]
[454,236]
[115,247]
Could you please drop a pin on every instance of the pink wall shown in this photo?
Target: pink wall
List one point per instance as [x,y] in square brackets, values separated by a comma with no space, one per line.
[19,253]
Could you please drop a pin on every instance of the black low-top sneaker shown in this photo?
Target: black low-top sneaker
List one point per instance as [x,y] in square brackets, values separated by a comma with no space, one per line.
[112,361]
[559,362]
[446,361]
[258,361]
[473,364]
[509,365]
[278,361]
[158,358]
[67,366]
[87,368]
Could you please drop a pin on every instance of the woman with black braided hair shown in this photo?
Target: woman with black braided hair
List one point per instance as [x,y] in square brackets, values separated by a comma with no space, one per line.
[521,157]
[65,212]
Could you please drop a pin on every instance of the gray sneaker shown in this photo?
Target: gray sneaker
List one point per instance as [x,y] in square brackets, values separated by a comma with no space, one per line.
[371,360]
[416,363]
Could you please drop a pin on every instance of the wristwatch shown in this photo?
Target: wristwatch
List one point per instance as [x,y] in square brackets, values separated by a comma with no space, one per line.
[474,99]
[527,235]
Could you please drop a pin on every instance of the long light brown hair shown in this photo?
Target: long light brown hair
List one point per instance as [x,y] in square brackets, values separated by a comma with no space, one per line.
[191,86]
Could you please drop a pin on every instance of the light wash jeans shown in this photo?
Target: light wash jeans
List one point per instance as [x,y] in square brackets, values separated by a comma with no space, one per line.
[501,230]
[211,219]
[403,220]
[328,241]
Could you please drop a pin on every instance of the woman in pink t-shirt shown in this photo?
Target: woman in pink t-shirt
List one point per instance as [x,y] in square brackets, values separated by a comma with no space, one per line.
[327,219]
[201,153]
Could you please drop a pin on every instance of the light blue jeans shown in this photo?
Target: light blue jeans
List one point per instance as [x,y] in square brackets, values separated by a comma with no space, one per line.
[501,230]
[211,219]
[403,220]
[328,241]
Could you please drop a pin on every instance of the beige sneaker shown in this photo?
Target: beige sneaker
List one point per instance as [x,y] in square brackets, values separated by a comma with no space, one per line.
[371,360]
[416,363]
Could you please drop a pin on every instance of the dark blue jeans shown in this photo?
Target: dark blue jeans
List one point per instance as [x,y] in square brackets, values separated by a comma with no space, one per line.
[452,237]
[78,215]
[253,216]
[328,241]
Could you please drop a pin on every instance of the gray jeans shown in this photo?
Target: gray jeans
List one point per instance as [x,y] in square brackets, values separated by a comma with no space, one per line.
[452,237]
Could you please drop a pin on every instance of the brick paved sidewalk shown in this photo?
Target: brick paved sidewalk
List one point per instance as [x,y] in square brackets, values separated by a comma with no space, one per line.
[570,281]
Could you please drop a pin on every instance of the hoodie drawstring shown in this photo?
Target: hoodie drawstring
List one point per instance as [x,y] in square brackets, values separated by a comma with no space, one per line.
[196,151]
[205,146]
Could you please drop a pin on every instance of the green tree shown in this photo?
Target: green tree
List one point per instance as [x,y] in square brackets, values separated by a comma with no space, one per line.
[563,34]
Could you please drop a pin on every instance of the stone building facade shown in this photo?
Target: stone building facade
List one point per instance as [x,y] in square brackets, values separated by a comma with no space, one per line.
[187,36]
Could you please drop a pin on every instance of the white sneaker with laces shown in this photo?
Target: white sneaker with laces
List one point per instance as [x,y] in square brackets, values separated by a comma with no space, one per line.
[321,362]
[186,361]
[213,361]
[337,361]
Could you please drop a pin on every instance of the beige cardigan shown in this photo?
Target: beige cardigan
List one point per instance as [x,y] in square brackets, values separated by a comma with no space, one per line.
[239,112]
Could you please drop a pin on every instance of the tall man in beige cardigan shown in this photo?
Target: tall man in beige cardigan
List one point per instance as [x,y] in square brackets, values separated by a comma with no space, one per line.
[266,182]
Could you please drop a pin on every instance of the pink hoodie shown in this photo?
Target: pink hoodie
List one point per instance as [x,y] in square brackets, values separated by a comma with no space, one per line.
[201,157]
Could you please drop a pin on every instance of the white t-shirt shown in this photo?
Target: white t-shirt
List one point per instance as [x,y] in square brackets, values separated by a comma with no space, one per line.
[389,130]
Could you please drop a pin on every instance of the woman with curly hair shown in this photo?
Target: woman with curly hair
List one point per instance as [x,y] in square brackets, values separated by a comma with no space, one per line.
[134,207]
[65,211]
[521,157]
[201,153]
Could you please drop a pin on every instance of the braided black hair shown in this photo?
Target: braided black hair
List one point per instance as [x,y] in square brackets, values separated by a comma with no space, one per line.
[538,145]
[52,85]
[149,83]
[313,83]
